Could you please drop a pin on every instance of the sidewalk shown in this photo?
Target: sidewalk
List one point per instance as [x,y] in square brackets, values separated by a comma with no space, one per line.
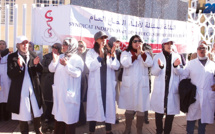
[179,126]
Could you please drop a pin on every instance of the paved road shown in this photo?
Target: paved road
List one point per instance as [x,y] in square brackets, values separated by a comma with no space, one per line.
[179,126]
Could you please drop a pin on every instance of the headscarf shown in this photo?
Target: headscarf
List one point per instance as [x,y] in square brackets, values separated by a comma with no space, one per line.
[72,46]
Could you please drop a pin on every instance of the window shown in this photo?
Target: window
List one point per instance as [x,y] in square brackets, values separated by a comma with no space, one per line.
[49,2]
[193,5]
[11,4]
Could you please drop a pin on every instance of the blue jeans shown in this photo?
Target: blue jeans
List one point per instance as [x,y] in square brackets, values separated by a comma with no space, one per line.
[191,125]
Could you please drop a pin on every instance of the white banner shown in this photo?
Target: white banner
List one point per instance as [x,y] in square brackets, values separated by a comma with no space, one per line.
[53,24]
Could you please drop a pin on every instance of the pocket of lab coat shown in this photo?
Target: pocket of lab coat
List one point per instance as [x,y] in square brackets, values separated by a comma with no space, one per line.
[71,97]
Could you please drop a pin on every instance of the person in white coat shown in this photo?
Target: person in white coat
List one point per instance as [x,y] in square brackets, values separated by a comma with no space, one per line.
[4,81]
[101,62]
[25,97]
[134,91]
[165,97]
[66,88]
[201,71]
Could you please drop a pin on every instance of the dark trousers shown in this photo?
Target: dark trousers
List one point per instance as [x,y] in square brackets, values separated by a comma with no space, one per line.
[92,126]
[159,123]
[48,111]
[63,128]
[191,125]
[4,114]
[82,114]
[23,125]
[146,116]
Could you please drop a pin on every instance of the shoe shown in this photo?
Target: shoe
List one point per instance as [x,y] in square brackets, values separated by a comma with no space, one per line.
[79,124]
[117,121]
[147,121]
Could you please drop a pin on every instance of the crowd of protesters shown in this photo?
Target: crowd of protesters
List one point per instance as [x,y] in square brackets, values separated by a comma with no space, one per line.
[72,85]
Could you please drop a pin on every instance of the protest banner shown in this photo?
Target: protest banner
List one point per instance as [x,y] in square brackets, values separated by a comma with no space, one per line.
[53,24]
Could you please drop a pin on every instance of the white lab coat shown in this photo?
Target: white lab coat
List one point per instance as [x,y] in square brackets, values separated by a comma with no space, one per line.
[66,78]
[157,98]
[134,91]
[95,111]
[203,77]
[25,102]
[5,80]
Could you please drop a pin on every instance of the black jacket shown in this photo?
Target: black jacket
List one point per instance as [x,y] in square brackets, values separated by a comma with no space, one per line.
[17,75]
[187,92]
[47,78]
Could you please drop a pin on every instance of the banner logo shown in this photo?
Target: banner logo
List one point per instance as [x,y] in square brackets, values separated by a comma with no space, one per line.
[49,35]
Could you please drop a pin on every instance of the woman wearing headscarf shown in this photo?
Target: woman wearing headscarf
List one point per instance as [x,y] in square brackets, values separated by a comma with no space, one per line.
[134,93]
[4,81]
[101,63]
[66,88]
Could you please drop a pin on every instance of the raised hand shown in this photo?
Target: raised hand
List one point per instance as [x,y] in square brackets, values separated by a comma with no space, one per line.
[139,50]
[36,60]
[55,56]
[160,63]
[113,50]
[63,61]
[177,62]
[101,52]
[20,62]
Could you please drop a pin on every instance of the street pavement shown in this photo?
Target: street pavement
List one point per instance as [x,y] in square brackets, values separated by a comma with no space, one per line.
[179,126]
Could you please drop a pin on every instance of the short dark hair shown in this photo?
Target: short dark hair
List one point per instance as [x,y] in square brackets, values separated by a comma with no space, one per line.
[130,42]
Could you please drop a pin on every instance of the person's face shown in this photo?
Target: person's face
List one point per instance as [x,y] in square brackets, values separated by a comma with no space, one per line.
[101,41]
[24,46]
[2,45]
[202,50]
[117,44]
[168,46]
[64,48]
[81,48]
[30,48]
[55,50]
[136,43]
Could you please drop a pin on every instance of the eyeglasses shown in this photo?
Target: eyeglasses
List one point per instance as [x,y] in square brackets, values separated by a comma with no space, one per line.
[81,46]
[135,41]
[201,48]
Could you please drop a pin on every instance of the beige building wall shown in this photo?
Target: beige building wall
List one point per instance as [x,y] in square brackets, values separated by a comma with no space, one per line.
[200,1]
